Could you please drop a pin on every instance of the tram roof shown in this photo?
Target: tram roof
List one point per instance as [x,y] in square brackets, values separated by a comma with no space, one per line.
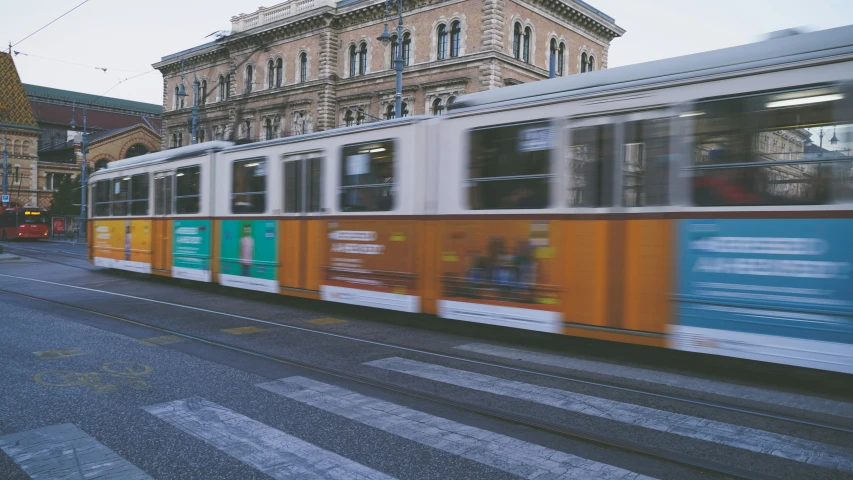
[168,154]
[774,51]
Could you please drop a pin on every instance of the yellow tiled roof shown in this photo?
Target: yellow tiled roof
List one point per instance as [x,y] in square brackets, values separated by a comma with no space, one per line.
[15,108]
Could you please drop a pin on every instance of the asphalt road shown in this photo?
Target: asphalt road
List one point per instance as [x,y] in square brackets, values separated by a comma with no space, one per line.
[115,393]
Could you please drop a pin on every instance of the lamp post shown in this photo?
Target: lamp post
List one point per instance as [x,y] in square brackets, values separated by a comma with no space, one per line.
[386,39]
[182,92]
[84,144]
[4,116]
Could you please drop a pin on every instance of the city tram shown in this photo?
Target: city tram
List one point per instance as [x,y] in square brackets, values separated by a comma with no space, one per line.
[700,203]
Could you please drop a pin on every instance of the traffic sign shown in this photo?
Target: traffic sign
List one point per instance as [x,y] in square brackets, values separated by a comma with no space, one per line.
[4,198]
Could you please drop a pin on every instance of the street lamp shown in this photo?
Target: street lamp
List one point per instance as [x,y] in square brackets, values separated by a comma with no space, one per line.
[386,39]
[4,117]
[182,92]
[84,144]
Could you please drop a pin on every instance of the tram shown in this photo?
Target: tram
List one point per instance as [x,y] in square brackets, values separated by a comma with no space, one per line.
[688,203]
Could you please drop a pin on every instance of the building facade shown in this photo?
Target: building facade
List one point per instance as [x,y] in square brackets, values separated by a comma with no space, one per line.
[19,134]
[306,65]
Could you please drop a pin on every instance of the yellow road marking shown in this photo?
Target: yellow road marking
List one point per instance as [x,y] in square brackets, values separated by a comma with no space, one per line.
[58,353]
[243,330]
[326,321]
[164,340]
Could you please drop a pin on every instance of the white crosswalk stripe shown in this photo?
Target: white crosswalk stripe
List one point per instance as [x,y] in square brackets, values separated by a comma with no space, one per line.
[260,446]
[783,446]
[792,400]
[66,452]
[511,455]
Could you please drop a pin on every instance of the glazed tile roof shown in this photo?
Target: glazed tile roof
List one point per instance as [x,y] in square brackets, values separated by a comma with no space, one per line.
[13,97]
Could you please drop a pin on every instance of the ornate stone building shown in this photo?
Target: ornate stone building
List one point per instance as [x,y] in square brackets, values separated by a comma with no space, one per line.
[306,65]
[20,133]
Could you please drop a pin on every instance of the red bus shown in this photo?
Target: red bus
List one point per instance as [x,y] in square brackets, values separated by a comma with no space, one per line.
[23,222]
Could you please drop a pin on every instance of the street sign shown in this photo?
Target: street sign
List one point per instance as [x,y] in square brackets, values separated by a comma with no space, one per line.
[4,198]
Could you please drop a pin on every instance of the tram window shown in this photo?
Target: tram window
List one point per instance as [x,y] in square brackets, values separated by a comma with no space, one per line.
[771,150]
[139,194]
[163,193]
[294,171]
[645,166]
[249,185]
[188,190]
[590,158]
[102,198]
[509,167]
[121,195]
[367,177]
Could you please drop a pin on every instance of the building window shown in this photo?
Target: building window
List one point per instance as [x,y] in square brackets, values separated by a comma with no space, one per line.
[349,118]
[407,48]
[591,65]
[270,74]
[203,96]
[561,59]
[583,62]
[136,150]
[221,87]
[362,59]
[196,92]
[247,129]
[249,78]
[437,107]
[279,72]
[353,61]
[180,139]
[303,67]
[450,100]
[268,129]
[455,38]
[442,42]
[174,140]
[404,109]
[249,187]
[367,177]
[200,135]
[516,41]
[526,46]
[228,86]
[389,112]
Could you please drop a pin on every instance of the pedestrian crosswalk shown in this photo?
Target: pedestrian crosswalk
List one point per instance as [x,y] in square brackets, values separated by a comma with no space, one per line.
[67,451]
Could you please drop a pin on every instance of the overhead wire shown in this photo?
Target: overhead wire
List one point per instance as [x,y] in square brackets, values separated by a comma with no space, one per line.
[50,23]
[104,69]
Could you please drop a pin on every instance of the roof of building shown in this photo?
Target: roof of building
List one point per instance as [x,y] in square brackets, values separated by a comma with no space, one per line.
[48,94]
[14,107]
[60,114]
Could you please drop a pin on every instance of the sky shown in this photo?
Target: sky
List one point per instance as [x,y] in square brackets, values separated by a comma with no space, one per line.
[126,37]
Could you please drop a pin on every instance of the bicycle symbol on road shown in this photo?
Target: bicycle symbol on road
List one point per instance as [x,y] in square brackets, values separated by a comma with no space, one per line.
[115,375]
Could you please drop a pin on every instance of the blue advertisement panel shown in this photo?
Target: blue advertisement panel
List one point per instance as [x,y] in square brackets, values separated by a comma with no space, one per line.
[767,289]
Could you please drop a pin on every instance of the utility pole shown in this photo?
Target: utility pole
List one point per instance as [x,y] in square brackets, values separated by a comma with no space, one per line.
[385,38]
[84,143]
[4,117]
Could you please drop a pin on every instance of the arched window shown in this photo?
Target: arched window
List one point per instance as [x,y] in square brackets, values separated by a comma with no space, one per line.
[583,62]
[442,42]
[303,67]
[404,110]
[561,59]
[526,45]
[247,129]
[516,41]
[389,112]
[353,61]
[359,117]
[437,107]
[591,65]
[175,102]
[249,78]
[180,139]
[268,129]
[552,58]
[196,92]
[228,86]
[279,72]
[395,49]
[349,118]
[270,74]
[221,87]
[362,59]
[203,93]
[174,140]
[200,138]
[407,48]
[136,150]
[450,100]
[455,38]
[101,164]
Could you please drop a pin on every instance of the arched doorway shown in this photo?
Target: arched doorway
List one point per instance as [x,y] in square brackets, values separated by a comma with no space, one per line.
[101,164]
[136,150]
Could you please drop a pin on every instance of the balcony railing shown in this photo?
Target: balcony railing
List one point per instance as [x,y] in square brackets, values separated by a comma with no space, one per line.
[267,15]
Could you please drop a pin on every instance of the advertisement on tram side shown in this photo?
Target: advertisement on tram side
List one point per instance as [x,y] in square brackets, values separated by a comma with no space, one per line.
[767,289]
[500,273]
[191,250]
[372,264]
[123,245]
[249,254]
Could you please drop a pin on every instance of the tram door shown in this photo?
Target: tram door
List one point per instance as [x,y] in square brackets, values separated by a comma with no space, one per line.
[164,200]
[303,231]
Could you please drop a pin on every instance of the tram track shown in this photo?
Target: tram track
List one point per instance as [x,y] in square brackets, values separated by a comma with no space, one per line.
[697,464]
